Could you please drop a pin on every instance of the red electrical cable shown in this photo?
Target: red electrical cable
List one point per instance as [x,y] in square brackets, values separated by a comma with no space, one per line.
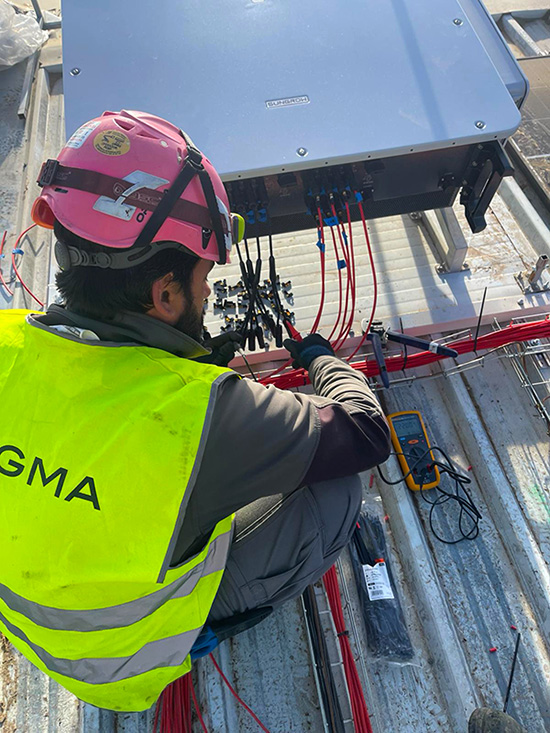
[340,289]
[160,703]
[183,703]
[321,242]
[321,303]
[374,281]
[196,704]
[351,265]
[346,259]
[360,713]
[4,283]
[508,335]
[277,371]
[175,707]
[16,271]
[234,693]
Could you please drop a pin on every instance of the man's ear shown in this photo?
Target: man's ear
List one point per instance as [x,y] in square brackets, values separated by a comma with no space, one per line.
[168,300]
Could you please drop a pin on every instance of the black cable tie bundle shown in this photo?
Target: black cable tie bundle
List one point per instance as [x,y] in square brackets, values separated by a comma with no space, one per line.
[385,626]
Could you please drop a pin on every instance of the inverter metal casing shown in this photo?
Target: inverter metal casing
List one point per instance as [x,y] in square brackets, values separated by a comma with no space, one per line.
[270,87]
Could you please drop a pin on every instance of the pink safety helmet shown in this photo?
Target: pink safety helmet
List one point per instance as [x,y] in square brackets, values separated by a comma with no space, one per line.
[128,179]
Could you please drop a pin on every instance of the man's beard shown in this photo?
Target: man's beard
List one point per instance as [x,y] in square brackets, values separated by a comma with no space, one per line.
[191,322]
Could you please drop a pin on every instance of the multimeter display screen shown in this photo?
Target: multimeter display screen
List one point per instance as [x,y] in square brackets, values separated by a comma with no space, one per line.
[407,425]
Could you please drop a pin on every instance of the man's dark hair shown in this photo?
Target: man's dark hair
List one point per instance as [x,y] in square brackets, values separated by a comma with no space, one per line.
[102,293]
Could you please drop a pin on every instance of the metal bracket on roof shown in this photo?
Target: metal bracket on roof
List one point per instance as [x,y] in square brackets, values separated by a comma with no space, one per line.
[537,280]
[520,36]
[447,237]
[47,25]
[488,166]
[32,62]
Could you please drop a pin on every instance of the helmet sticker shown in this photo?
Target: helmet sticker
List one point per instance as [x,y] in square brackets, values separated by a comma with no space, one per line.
[112,142]
[119,208]
[206,234]
[78,138]
[225,215]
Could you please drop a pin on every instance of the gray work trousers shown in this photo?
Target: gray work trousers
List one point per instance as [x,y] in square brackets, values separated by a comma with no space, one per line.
[283,543]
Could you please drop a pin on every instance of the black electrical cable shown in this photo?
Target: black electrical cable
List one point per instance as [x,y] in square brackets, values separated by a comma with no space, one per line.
[511,678]
[327,687]
[251,326]
[257,274]
[254,377]
[405,349]
[479,320]
[278,306]
[273,278]
[466,503]
[248,286]
[256,331]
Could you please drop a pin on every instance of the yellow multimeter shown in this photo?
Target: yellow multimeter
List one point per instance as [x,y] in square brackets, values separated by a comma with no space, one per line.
[409,437]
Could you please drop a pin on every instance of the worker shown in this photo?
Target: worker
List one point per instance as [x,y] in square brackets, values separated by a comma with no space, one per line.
[148,493]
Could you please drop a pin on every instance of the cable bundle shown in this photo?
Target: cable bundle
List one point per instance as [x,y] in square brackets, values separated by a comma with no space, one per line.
[344,320]
[174,707]
[514,333]
[361,720]
[321,659]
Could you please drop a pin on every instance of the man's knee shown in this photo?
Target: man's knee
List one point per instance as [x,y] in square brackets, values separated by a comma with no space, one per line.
[338,503]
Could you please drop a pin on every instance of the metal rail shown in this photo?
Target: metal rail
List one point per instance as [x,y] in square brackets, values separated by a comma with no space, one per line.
[534,356]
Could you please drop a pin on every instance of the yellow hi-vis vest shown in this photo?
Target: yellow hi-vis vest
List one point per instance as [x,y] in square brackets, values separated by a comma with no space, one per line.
[99,450]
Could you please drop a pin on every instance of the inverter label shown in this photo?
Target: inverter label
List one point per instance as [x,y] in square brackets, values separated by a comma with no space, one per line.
[287,102]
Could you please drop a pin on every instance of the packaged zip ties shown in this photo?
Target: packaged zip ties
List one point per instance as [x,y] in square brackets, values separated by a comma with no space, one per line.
[385,626]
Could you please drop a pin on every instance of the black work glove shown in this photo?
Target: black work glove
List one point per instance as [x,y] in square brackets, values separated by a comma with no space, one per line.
[223,348]
[304,352]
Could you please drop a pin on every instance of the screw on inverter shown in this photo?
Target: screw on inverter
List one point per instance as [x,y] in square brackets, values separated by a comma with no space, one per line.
[229,304]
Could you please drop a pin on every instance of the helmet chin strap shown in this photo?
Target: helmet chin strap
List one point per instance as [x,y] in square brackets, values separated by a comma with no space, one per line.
[192,166]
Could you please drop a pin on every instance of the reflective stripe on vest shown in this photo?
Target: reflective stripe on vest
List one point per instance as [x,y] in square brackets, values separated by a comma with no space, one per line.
[99,451]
